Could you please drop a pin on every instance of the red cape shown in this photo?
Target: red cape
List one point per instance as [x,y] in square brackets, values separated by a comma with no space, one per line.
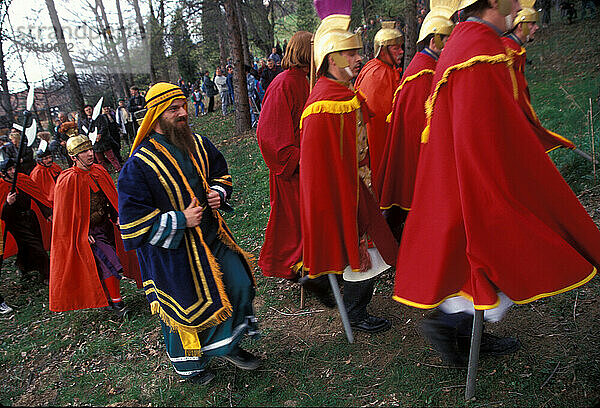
[28,186]
[278,136]
[401,154]
[378,81]
[335,208]
[490,210]
[74,280]
[549,139]
[44,177]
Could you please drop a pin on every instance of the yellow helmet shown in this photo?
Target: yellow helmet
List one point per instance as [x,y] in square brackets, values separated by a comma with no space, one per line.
[504,6]
[332,36]
[78,144]
[527,14]
[387,35]
[437,21]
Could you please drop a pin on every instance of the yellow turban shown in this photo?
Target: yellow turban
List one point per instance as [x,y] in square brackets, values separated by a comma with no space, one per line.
[158,99]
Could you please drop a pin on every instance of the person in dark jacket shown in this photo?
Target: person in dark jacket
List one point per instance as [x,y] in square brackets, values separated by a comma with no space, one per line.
[208,87]
[269,73]
[113,129]
[27,160]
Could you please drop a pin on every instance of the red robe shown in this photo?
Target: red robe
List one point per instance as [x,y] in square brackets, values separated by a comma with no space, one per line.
[278,136]
[28,186]
[378,81]
[399,164]
[490,210]
[74,280]
[336,208]
[45,178]
[549,139]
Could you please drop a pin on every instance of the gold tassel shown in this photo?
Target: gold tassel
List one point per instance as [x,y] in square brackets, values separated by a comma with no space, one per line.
[425,134]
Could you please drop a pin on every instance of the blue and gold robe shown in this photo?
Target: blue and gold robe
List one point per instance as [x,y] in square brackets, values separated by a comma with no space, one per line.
[181,272]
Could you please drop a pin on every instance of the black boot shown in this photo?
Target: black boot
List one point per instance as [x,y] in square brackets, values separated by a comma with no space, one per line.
[440,330]
[357,296]
[490,345]
[320,288]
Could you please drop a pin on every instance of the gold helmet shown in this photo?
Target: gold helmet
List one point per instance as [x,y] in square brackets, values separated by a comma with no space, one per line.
[333,36]
[437,21]
[387,35]
[504,6]
[78,144]
[527,14]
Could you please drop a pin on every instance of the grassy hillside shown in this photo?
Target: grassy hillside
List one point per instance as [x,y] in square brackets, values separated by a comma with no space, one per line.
[90,358]
[563,75]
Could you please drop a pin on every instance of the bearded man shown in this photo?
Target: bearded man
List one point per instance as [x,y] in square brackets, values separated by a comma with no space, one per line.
[196,278]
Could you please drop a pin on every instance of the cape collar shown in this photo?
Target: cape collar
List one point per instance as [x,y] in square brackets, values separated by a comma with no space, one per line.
[428,51]
[487,23]
[514,37]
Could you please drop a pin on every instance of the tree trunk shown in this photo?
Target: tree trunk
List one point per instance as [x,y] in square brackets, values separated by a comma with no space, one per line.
[242,110]
[144,36]
[74,88]
[222,47]
[243,33]
[113,48]
[410,42]
[5,99]
[128,67]
[109,55]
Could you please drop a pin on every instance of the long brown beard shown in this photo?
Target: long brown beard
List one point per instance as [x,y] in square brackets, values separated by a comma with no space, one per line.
[180,136]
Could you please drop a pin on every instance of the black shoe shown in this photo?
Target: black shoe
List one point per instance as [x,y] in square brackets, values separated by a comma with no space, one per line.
[242,359]
[120,309]
[203,378]
[372,324]
[491,345]
[442,337]
[321,291]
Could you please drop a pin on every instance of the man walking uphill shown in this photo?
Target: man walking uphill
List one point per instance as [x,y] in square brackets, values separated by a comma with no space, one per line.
[278,136]
[378,80]
[196,278]
[492,221]
[338,212]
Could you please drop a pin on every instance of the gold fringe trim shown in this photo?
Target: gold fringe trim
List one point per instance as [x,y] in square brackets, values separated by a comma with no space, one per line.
[217,318]
[297,267]
[406,80]
[334,107]
[231,244]
[430,102]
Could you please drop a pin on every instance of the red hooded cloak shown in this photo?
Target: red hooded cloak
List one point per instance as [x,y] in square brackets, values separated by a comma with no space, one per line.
[278,136]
